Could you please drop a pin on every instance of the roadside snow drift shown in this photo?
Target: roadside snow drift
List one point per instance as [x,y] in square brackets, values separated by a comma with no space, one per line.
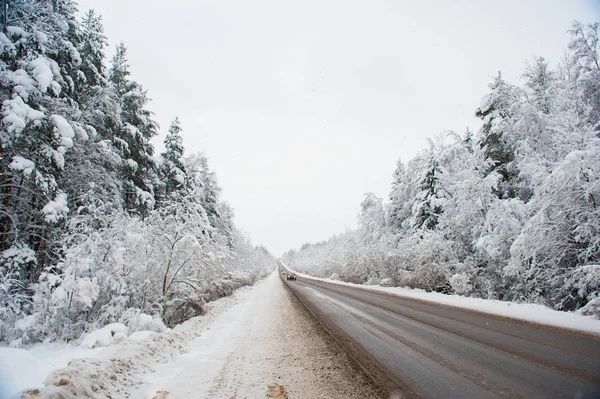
[111,369]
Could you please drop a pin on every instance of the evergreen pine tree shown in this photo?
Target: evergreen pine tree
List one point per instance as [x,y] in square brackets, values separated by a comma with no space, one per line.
[133,137]
[91,178]
[172,168]
[494,136]
[36,58]
[539,80]
[399,208]
[425,210]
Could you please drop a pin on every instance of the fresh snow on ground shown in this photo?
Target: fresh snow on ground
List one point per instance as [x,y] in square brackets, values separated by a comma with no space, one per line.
[39,360]
[105,362]
[28,367]
[105,336]
[528,312]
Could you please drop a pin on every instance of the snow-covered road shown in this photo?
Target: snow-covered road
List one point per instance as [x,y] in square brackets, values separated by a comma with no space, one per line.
[267,338]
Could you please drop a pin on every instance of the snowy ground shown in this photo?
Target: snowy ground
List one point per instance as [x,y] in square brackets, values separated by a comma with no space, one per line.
[260,341]
[49,370]
[528,312]
[38,360]
[267,339]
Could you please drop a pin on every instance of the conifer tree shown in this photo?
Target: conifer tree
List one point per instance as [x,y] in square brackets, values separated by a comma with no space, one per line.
[401,197]
[495,135]
[132,138]
[36,132]
[91,175]
[172,168]
[539,80]
[426,210]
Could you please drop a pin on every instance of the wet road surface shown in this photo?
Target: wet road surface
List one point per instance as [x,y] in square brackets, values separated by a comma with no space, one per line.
[429,350]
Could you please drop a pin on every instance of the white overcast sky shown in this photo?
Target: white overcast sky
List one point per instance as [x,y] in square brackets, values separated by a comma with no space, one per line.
[304,106]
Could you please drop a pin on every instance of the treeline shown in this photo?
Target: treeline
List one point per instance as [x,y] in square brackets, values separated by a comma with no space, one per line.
[94,228]
[511,212]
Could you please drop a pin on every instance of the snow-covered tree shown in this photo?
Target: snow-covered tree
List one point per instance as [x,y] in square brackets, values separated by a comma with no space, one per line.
[495,135]
[172,169]
[80,243]
[585,68]
[200,174]
[540,82]
[508,213]
[562,238]
[37,56]
[426,207]
[401,198]
[133,136]
[37,128]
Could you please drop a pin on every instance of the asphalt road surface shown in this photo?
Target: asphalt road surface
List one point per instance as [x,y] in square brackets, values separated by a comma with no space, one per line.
[418,349]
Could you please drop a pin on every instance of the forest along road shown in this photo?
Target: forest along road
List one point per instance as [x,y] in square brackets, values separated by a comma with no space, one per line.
[436,351]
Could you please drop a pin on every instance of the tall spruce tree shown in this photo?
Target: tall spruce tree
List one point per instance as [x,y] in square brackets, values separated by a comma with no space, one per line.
[539,80]
[399,208]
[91,179]
[172,169]
[132,138]
[426,210]
[494,136]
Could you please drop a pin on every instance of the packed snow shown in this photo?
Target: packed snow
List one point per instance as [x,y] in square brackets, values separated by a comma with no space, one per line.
[107,335]
[266,342]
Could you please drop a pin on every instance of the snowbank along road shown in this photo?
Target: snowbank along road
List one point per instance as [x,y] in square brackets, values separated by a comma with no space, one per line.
[434,351]
[266,344]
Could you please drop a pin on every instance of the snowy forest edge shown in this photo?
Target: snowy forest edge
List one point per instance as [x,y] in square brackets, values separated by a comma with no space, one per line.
[94,228]
[510,212]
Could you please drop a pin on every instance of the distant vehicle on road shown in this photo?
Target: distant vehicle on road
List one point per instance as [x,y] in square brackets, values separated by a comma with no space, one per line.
[291,276]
